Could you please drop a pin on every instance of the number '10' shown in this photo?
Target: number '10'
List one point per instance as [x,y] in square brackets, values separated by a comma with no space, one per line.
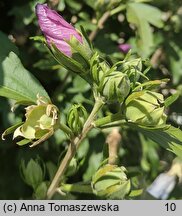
[170,206]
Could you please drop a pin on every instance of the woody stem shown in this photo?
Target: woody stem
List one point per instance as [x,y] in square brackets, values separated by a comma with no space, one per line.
[73,146]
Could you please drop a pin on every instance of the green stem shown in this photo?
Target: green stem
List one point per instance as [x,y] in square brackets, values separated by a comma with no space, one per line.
[108,119]
[113,124]
[66,129]
[76,188]
[73,146]
[117,9]
[98,104]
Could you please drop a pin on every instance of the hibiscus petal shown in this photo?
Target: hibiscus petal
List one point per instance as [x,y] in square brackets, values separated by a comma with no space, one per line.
[56,29]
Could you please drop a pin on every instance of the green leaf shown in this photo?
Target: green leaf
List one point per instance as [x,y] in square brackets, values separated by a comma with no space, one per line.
[79,85]
[175,59]
[142,15]
[170,138]
[51,169]
[171,99]
[151,84]
[74,5]
[41,191]
[23,142]
[38,38]
[83,149]
[32,173]
[149,158]
[17,83]
[135,193]
[93,164]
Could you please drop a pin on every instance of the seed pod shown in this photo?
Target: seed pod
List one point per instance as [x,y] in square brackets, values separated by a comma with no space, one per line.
[110,182]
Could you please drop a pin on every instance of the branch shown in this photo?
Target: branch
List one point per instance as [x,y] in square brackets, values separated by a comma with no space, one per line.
[100,24]
[73,146]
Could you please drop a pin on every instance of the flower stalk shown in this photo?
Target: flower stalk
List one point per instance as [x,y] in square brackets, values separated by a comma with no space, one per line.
[108,119]
[66,129]
[76,188]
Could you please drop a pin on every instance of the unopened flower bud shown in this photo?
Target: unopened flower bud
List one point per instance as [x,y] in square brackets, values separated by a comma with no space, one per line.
[56,29]
[145,108]
[77,117]
[116,87]
[98,68]
[66,44]
[111,182]
[133,67]
[41,121]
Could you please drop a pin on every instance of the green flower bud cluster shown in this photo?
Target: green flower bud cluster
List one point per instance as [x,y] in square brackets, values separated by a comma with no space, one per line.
[77,117]
[112,84]
[145,108]
[41,121]
[111,182]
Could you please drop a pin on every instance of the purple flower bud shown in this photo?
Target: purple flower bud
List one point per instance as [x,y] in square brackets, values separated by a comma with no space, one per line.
[124,47]
[56,29]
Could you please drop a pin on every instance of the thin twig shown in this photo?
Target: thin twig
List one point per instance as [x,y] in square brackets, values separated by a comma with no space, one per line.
[100,25]
[63,166]
[156,57]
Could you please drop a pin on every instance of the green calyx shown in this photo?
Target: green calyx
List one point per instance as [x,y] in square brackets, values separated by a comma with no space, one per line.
[79,61]
[111,182]
[41,121]
[145,108]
